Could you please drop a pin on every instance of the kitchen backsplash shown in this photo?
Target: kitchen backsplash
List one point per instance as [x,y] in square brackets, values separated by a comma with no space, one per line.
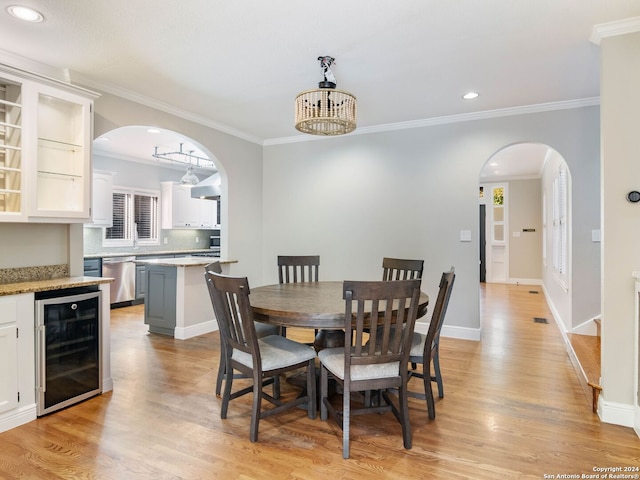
[175,240]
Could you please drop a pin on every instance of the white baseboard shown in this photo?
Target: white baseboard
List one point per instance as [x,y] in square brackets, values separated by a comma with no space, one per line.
[450,331]
[19,417]
[107,384]
[183,333]
[616,413]
[586,328]
[525,281]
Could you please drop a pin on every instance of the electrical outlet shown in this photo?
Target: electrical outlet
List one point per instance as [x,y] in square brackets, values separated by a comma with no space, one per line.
[166,240]
[197,239]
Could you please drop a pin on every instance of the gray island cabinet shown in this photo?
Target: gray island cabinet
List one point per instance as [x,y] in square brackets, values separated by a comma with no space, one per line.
[177,301]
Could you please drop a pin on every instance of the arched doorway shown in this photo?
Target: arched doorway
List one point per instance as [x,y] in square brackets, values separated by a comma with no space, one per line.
[516,216]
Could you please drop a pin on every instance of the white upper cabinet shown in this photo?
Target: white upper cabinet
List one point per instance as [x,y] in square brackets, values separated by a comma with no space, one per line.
[102,200]
[180,210]
[45,162]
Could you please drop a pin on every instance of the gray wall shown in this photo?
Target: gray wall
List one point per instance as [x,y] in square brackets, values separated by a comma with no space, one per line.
[408,193]
[240,166]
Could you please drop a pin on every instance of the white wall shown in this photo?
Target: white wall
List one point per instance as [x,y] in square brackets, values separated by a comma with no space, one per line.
[408,193]
[559,296]
[620,99]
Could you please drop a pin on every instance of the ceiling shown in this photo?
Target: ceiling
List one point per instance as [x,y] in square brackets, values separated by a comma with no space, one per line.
[237,65]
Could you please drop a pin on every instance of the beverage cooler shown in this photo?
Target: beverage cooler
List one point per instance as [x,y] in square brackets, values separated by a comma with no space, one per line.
[68,359]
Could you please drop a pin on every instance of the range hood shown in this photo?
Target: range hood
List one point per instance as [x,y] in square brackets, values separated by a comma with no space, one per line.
[208,188]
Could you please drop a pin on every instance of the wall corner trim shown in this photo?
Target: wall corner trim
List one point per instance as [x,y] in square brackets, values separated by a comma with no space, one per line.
[611,29]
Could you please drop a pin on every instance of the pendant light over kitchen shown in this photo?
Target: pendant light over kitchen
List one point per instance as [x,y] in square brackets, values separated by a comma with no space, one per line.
[326,110]
[187,158]
[189,178]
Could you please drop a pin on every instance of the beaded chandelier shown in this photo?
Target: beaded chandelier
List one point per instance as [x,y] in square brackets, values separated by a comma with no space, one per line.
[326,110]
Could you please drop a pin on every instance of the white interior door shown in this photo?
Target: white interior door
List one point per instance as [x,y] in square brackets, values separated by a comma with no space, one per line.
[497,250]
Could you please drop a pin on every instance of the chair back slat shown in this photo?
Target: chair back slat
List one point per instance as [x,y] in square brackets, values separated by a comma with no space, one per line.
[230,298]
[401,269]
[439,310]
[300,268]
[382,325]
[214,267]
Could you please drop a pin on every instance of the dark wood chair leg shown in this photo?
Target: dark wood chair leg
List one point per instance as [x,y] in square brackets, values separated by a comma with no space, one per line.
[311,389]
[438,376]
[404,415]
[428,393]
[324,388]
[255,410]
[346,418]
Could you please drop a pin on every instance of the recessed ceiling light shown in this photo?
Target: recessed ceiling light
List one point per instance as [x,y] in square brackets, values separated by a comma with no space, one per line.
[25,13]
[470,95]
[153,130]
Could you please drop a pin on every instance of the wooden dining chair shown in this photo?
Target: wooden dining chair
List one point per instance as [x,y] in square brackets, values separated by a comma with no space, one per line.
[262,359]
[425,349]
[298,268]
[374,361]
[401,269]
[262,330]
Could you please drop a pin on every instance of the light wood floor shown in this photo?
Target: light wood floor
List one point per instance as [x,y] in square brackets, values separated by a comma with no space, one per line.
[513,409]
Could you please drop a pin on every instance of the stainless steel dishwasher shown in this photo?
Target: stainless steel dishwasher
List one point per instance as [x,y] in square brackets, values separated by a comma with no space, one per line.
[123,269]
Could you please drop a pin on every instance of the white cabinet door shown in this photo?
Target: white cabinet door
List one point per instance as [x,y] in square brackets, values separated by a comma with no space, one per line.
[60,150]
[8,358]
[208,213]
[180,210]
[186,210]
[102,200]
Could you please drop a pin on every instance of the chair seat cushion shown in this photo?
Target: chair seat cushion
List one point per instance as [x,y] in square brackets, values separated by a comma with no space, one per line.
[333,360]
[417,344]
[277,351]
[264,329]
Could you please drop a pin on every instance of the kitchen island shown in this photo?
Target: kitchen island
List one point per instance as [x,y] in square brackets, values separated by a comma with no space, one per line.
[177,301]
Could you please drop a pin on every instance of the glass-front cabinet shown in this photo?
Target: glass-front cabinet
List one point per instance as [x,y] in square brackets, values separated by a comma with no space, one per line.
[11,155]
[45,169]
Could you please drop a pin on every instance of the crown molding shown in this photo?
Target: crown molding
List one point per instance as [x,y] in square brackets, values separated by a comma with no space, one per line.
[611,29]
[64,75]
[465,117]
[31,66]
[164,107]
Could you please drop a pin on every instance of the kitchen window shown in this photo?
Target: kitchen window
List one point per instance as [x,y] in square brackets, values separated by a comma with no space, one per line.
[135,218]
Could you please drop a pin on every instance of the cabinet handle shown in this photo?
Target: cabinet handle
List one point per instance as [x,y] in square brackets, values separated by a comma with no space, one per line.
[42,359]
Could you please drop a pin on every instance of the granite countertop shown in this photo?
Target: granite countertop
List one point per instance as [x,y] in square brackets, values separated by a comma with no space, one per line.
[184,262]
[143,253]
[51,284]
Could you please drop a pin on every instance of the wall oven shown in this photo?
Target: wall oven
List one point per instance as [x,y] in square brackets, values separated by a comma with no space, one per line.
[68,357]
[214,242]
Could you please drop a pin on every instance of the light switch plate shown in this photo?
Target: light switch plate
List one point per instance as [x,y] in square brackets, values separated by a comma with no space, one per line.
[465,235]
[595,236]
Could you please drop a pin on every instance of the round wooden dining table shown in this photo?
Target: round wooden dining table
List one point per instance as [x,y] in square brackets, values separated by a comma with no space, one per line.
[317,305]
